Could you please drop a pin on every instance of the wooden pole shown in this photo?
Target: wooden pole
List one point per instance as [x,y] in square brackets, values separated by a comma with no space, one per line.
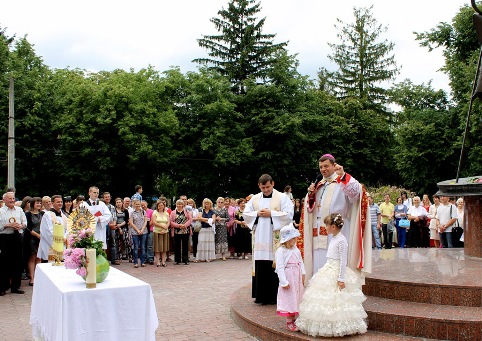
[11,137]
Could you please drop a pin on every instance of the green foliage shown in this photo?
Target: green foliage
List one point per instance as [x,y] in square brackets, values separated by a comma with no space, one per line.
[425,132]
[364,62]
[32,114]
[90,243]
[116,122]
[192,134]
[418,97]
[461,50]
[240,51]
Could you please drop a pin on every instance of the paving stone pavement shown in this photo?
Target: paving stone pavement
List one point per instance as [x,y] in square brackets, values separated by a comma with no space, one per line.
[192,301]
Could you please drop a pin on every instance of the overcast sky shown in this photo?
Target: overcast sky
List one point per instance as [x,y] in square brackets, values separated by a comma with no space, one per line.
[107,35]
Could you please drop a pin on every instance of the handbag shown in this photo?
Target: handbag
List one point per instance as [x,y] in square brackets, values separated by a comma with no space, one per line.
[391,226]
[457,232]
[404,223]
[196,226]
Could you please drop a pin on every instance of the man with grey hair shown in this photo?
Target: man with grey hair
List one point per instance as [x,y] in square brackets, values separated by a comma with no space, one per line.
[127,205]
[417,215]
[12,224]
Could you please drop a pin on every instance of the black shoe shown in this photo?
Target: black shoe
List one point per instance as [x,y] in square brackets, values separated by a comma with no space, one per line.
[151,262]
[2,293]
[177,263]
[186,263]
[17,291]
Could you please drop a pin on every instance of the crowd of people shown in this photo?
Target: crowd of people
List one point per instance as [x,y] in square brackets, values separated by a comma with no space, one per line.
[415,222]
[131,229]
[267,225]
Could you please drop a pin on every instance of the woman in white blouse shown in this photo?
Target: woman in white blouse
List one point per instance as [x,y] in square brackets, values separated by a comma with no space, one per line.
[457,238]
[432,213]
[417,216]
[205,251]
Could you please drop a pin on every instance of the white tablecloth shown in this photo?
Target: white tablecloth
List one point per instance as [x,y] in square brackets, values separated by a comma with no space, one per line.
[120,308]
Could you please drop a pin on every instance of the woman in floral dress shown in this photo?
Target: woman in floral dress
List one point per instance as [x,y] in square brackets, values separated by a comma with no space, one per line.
[123,240]
[221,236]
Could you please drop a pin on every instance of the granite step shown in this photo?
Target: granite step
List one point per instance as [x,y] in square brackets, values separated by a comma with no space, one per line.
[426,320]
[435,276]
[262,322]
[444,294]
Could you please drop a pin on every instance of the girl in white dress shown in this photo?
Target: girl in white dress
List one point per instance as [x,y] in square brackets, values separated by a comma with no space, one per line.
[291,274]
[332,303]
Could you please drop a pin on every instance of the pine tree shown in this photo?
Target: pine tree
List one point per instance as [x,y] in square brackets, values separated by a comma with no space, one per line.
[364,62]
[241,51]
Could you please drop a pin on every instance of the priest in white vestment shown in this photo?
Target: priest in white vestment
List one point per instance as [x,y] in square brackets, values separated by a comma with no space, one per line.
[51,217]
[265,214]
[101,213]
[336,191]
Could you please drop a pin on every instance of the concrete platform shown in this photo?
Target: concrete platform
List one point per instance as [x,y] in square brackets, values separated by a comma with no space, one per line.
[262,322]
[412,294]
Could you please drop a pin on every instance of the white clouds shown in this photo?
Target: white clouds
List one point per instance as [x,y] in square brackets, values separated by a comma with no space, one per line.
[106,34]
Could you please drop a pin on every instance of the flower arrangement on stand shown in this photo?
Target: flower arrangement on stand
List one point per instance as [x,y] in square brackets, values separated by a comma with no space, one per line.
[78,241]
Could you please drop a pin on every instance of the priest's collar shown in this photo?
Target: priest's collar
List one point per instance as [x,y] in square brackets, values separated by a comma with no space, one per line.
[331,177]
[58,214]
[268,196]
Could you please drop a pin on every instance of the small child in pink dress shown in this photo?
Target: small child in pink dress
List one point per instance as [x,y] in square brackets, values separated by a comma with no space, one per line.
[291,274]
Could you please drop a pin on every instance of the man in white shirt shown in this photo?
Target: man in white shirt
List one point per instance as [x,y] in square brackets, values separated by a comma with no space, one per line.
[446,217]
[12,223]
[417,215]
[101,213]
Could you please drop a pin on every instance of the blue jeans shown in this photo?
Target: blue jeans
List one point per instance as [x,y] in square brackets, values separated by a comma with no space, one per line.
[401,233]
[139,241]
[446,240]
[376,235]
[150,246]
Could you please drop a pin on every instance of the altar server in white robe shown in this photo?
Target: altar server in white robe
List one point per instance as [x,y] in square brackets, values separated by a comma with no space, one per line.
[336,191]
[54,215]
[265,214]
[101,213]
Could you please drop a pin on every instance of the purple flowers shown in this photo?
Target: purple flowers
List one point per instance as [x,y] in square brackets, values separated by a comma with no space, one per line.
[74,256]
[81,272]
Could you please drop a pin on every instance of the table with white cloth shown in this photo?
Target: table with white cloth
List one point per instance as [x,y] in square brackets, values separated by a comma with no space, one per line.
[63,309]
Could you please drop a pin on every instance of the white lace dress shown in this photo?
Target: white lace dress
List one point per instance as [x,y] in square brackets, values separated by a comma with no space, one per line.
[325,310]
